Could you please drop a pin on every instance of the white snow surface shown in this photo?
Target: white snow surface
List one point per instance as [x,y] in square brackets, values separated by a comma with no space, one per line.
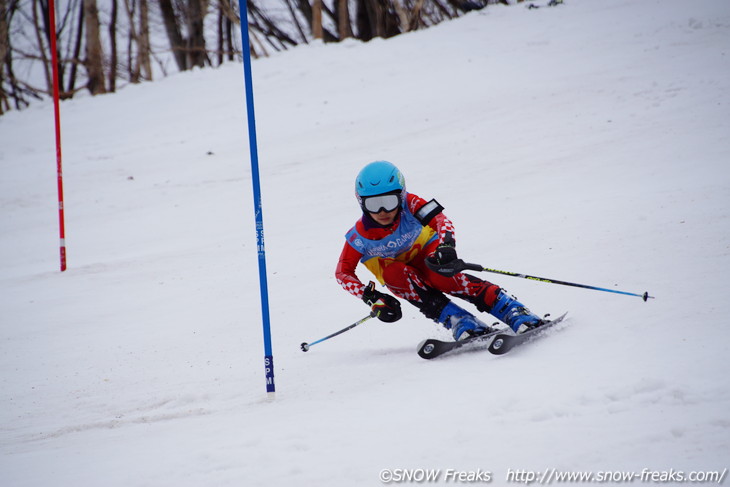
[588,142]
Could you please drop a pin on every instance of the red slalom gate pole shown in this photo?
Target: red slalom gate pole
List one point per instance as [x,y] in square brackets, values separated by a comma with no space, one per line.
[57,115]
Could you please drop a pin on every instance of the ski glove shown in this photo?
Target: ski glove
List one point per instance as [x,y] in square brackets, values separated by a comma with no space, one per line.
[444,259]
[385,307]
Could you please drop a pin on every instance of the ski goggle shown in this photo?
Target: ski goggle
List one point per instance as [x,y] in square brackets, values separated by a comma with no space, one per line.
[376,204]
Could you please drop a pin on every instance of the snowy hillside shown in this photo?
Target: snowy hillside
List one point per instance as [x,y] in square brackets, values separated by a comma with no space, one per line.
[587,142]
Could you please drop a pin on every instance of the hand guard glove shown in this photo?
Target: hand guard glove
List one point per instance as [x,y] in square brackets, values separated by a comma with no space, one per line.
[444,259]
[385,307]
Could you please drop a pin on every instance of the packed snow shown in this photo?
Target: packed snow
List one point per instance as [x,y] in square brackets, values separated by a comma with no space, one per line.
[588,142]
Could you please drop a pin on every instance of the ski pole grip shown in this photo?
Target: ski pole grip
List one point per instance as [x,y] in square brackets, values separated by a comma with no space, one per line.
[471,267]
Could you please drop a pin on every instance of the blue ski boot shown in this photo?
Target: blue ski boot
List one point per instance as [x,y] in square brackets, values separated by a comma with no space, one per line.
[514,313]
[461,323]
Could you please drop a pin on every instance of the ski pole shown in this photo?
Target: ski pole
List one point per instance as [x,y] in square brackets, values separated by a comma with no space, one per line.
[305,346]
[476,267]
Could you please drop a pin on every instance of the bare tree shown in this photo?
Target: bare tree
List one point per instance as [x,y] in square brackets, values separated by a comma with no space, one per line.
[11,89]
[317,19]
[43,35]
[139,65]
[195,17]
[113,42]
[74,58]
[111,48]
[189,50]
[226,17]
[344,27]
[144,48]
[4,56]
[260,22]
[94,61]
[172,28]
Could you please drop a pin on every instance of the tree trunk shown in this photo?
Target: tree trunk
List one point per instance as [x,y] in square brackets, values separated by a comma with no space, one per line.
[143,45]
[43,33]
[75,57]
[132,39]
[344,29]
[221,35]
[94,54]
[317,19]
[196,37]
[113,41]
[228,29]
[177,44]
[227,16]
[4,57]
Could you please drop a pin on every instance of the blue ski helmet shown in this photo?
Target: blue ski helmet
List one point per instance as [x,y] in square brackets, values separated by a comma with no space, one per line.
[379,177]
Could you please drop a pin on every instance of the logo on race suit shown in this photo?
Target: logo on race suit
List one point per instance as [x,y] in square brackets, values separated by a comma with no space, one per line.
[394,246]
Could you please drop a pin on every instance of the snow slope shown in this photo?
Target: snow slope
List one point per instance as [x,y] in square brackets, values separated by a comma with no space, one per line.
[587,142]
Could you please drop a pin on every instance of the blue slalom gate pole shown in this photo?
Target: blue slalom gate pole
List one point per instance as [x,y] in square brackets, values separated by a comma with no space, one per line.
[248,82]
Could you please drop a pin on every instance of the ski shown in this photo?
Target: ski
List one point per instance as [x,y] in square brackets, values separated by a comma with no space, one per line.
[498,342]
[432,348]
[504,342]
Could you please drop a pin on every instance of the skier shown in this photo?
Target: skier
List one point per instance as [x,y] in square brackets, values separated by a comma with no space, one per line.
[408,244]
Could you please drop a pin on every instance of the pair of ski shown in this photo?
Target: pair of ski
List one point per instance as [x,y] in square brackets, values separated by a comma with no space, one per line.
[498,342]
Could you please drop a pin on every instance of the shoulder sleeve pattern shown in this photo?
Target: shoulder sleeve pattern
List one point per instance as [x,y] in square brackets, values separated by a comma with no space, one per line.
[345,271]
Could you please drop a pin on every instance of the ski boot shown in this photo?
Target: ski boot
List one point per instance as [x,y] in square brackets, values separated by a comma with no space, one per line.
[461,323]
[507,309]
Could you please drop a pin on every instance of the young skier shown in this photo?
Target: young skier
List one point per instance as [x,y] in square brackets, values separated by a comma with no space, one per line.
[408,244]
